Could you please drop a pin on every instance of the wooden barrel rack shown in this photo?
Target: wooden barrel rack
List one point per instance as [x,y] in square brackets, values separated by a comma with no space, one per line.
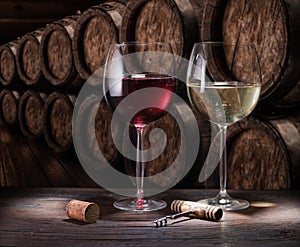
[42,72]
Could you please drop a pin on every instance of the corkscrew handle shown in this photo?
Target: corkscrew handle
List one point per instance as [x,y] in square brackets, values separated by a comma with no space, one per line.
[200,210]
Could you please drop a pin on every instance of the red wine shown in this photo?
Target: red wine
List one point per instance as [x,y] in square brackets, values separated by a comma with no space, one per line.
[121,89]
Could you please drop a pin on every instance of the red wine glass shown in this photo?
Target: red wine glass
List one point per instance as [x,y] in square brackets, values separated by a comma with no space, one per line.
[138,86]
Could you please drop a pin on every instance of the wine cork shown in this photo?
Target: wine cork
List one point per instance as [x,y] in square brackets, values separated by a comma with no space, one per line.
[84,211]
[201,211]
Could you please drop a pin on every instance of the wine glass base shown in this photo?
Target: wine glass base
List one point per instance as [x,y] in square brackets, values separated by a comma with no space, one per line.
[227,203]
[143,205]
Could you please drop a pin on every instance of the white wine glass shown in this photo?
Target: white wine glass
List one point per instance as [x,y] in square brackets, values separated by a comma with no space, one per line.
[138,86]
[224,83]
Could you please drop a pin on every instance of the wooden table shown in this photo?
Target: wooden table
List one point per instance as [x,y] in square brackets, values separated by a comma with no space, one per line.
[37,217]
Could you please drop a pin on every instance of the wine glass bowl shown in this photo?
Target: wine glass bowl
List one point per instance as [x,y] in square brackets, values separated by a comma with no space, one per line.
[138,86]
[224,82]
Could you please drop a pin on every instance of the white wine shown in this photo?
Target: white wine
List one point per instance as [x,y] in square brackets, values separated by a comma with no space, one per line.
[224,102]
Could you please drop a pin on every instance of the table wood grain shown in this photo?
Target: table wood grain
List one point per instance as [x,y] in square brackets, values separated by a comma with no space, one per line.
[37,217]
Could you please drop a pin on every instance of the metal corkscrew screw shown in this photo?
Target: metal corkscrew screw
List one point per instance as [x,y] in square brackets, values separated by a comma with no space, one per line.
[164,220]
[193,209]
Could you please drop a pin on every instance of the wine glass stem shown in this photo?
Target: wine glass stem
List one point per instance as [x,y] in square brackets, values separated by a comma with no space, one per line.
[223,162]
[140,166]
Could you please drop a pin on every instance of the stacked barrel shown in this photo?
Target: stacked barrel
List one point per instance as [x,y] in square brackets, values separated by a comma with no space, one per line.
[42,73]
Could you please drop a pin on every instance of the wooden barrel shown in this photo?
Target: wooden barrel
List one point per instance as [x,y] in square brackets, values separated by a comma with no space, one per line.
[172,21]
[290,100]
[9,107]
[8,69]
[264,154]
[274,28]
[56,53]
[31,113]
[96,29]
[170,158]
[28,59]
[58,110]
[94,133]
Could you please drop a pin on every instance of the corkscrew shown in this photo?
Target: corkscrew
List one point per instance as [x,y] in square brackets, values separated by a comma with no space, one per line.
[193,209]
[164,220]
